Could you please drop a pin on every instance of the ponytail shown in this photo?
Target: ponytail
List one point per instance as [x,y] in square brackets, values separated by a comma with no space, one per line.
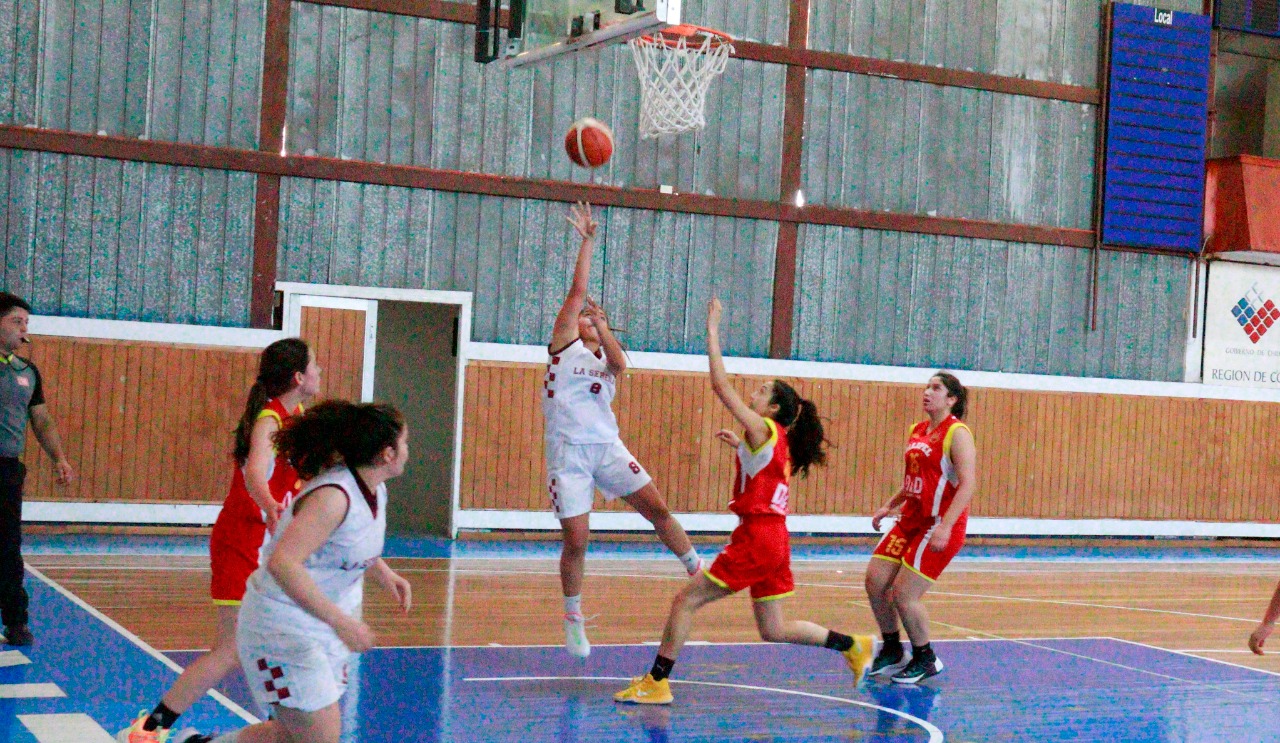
[807,439]
[337,431]
[276,367]
[956,390]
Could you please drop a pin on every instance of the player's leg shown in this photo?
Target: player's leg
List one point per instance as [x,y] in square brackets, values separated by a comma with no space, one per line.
[619,474]
[286,726]
[653,687]
[909,590]
[575,535]
[572,490]
[767,599]
[882,569]
[648,502]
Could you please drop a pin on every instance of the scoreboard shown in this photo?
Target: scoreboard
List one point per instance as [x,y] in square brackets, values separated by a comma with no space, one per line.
[1252,16]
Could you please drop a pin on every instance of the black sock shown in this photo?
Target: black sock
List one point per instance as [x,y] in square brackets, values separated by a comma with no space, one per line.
[923,652]
[161,717]
[892,639]
[661,667]
[837,641]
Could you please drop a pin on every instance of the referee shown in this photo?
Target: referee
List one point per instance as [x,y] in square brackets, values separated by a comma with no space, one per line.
[21,398]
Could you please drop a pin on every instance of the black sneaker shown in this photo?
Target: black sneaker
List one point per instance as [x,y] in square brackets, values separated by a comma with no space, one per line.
[18,636]
[888,659]
[918,670]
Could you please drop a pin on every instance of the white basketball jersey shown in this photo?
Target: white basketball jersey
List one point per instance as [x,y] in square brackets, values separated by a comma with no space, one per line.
[339,565]
[578,397]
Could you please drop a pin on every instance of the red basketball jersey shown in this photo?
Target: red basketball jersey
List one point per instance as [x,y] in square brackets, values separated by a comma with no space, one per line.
[931,478]
[282,479]
[762,478]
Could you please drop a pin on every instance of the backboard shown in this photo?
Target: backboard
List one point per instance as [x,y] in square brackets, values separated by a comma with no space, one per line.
[540,30]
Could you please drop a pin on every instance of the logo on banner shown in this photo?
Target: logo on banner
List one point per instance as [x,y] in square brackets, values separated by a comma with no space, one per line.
[1255,314]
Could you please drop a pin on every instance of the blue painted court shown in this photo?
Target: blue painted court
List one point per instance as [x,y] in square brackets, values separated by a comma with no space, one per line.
[1078,689]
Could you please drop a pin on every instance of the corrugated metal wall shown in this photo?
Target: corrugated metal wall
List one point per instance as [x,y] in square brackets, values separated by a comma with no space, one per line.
[89,237]
[882,144]
[874,297]
[654,272]
[1050,40]
[110,239]
[371,86]
[174,70]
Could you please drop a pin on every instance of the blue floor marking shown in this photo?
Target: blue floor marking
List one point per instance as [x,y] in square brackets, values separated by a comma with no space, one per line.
[103,673]
[1091,689]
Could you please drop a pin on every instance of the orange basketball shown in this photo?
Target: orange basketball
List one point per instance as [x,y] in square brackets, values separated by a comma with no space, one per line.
[589,143]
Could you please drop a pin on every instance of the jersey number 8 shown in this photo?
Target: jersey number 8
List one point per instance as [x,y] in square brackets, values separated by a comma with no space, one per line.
[595,388]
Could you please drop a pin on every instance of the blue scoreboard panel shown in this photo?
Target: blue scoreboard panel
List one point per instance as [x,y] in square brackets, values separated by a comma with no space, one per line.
[1253,16]
[1157,113]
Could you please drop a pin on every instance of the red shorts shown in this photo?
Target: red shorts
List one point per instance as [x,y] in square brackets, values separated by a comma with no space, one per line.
[234,548]
[908,543]
[758,557]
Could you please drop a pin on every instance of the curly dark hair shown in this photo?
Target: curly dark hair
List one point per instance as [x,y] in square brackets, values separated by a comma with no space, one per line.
[338,431]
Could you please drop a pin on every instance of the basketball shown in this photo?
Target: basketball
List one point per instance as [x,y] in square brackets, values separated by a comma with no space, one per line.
[589,143]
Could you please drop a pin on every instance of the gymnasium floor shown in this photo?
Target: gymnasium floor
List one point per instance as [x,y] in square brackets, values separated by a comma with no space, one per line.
[1109,644]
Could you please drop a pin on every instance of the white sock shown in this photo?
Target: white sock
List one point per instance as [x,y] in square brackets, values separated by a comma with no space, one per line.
[573,605]
[690,560]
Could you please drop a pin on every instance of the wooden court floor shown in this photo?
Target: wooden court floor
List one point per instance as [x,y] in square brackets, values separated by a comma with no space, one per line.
[1204,608]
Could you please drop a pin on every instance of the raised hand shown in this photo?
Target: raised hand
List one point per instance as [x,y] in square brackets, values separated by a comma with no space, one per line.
[580,218]
[714,311]
[728,437]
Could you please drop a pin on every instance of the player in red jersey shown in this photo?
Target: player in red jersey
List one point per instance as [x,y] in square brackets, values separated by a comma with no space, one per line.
[782,432]
[261,486]
[932,509]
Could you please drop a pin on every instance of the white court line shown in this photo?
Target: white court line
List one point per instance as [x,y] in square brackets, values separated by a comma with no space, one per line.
[1096,660]
[31,691]
[236,709]
[935,735]
[76,728]
[9,658]
[1089,605]
[1199,657]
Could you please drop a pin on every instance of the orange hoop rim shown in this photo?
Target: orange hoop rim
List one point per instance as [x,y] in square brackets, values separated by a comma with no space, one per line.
[687,31]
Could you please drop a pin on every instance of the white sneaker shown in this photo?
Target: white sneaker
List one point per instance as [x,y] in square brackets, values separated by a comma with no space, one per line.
[575,636]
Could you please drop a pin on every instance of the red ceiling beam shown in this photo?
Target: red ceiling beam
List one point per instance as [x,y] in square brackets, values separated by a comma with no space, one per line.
[408,176]
[787,246]
[266,203]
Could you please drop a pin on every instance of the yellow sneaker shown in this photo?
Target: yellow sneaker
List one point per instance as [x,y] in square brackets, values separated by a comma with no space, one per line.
[135,734]
[644,690]
[859,656]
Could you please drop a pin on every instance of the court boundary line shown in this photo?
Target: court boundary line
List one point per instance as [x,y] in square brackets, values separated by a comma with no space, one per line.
[1192,655]
[702,643]
[218,697]
[935,734]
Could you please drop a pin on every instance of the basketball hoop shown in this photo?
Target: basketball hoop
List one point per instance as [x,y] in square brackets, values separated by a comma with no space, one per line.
[676,67]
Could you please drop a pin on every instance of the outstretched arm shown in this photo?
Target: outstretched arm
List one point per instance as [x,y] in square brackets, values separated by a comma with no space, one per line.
[1263,631]
[566,327]
[756,429]
[615,358]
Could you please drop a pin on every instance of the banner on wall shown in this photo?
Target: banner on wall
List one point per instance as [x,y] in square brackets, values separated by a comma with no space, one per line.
[1242,326]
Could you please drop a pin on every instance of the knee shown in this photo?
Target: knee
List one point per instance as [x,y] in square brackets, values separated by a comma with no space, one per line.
[876,588]
[772,633]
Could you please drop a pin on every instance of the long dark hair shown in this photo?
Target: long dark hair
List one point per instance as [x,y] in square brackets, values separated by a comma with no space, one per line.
[276,367]
[338,431]
[799,416]
[956,390]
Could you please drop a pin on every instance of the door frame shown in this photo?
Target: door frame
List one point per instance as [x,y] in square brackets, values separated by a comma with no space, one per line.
[298,295]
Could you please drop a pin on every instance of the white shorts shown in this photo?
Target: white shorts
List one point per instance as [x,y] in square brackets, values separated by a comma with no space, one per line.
[574,471]
[302,673]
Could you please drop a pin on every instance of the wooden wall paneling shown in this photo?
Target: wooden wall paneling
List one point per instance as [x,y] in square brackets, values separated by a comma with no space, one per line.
[1168,464]
[535,445]
[467,478]
[508,487]
[485,435]
[128,434]
[106,456]
[83,394]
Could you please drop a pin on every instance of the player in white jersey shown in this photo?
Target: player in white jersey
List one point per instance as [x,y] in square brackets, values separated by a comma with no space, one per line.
[300,621]
[584,451]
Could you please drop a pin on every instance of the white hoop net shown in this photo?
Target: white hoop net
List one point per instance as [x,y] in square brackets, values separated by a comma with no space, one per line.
[676,70]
